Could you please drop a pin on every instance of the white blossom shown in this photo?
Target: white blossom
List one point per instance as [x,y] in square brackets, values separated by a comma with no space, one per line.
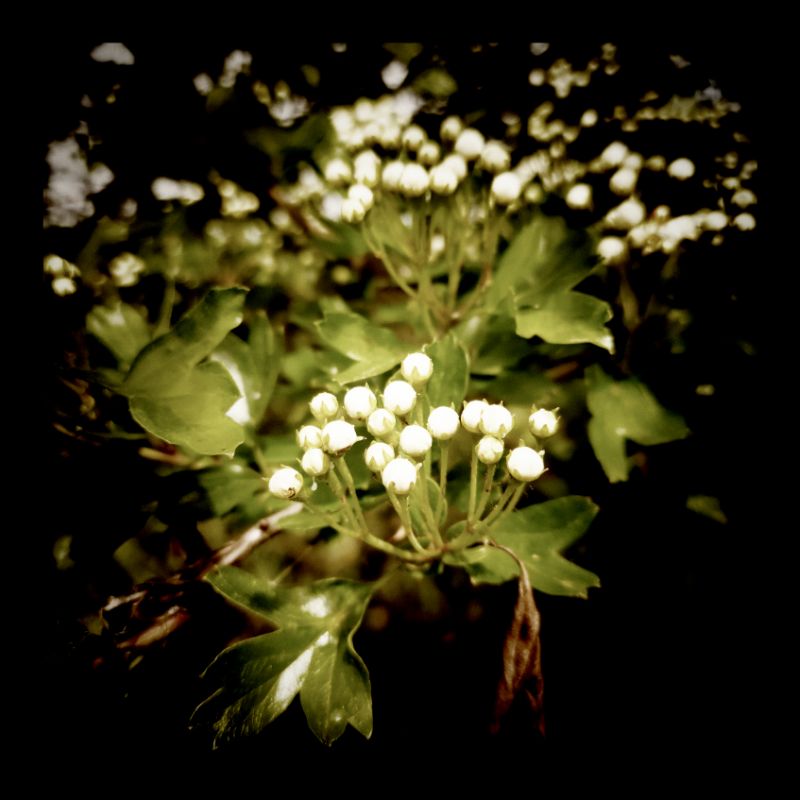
[579,196]
[315,462]
[443,180]
[681,168]
[378,455]
[366,168]
[324,406]
[414,181]
[494,157]
[392,175]
[337,171]
[469,143]
[360,402]
[338,436]
[525,464]
[543,422]
[417,369]
[471,415]
[285,483]
[443,422]
[381,423]
[450,129]
[399,475]
[399,397]
[489,449]
[496,420]
[413,137]
[309,436]
[506,188]
[415,441]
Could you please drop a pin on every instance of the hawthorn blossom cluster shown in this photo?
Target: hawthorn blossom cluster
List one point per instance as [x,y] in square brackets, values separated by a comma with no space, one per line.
[401,437]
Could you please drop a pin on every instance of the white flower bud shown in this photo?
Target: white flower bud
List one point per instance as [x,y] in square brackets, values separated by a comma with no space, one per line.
[443,422]
[471,415]
[315,462]
[495,157]
[744,222]
[415,441]
[450,129]
[543,423]
[612,249]
[614,154]
[324,406]
[366,166]
[337,171]
[589,118]
[360,402]
[417,368]
[496,420]
[715,221]
[506,188]
[63,286]
[338,436]
[626,215]
[389,136]
[309,436]
[429,153]
[623,181]
[415,180]
[352,211]
[286,483]
[381,423]
[378,455]
[489,449]
[399,397]
[413,137]
[399,475]
[525,464]
[456,164]
[580,196]
[469,143]
[443,180]
[392,175]
[681,169]
[361,194]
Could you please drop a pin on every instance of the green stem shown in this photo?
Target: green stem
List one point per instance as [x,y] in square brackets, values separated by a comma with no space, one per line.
[427,512]
[487,490]
[444,454]
[351,486]
[338,490]
[507,502]
[401,507]
[165,312]
[473,484]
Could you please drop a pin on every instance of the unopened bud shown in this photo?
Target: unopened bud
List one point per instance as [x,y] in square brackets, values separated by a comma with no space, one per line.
[315,462]
[450,129]
[352,211]
[366,168]
[360,402]
[496,420]
[415,180]
[525,464]
[469,143]
[285,483]
[399,397]
[324,406]
[381,423]
[338,436]
[378,455]
[415,441]
[543,423]
[580,196]
[413,137]
[399,475]
[337,171]
[471,415]
[494,157]
[309,436]
[443,180]
[443,423]
[392,175]
[417,368]
[506,188]
[489,450]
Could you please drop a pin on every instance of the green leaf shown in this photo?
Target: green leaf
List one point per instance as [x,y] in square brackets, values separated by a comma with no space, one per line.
[230,485]
[122,329]
[448,384]
[437,82]
[373,349]
[537,535]
[496,345]
[567,318]
[545,255]
[175,396]
[311,654]
[254,365]
[625,410]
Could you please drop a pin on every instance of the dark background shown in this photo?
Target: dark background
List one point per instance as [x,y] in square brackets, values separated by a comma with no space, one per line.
[671,660]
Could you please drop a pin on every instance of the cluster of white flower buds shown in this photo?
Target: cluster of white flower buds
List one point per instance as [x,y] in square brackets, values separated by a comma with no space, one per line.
[399,445]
